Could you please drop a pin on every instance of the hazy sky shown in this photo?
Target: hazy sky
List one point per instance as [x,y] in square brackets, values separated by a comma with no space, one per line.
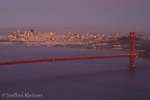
[111,14]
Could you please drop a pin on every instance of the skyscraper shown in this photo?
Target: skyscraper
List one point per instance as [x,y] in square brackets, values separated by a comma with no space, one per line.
[18,31]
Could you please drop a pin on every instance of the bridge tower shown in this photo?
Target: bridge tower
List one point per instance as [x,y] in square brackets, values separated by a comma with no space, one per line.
[132,50]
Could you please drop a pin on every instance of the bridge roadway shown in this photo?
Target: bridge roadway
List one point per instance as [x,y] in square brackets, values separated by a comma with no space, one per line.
[70,58]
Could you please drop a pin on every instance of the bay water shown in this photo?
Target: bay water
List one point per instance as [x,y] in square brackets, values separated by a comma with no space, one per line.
[98,79]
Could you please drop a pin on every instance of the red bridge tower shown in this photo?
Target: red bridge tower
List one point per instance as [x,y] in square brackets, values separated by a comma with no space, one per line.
[132,50]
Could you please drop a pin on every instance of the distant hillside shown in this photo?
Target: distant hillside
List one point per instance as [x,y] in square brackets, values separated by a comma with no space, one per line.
[140,44]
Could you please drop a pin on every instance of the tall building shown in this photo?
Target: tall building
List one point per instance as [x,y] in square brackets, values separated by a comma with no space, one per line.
[32,30]
[18,31]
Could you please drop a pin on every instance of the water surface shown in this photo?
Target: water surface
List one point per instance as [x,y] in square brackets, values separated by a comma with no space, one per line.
[98,79]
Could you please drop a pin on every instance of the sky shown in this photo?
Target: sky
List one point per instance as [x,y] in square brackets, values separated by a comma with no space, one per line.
[105,14]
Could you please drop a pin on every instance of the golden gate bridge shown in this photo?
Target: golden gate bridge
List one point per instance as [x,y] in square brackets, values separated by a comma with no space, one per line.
[6,60]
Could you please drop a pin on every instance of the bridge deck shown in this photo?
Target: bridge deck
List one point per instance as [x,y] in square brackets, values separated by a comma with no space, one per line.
[65,59]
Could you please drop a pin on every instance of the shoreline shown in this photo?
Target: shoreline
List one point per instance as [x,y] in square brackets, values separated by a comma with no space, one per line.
[124,50]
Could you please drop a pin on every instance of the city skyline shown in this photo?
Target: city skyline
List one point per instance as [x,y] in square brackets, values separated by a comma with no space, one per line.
[107,14]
